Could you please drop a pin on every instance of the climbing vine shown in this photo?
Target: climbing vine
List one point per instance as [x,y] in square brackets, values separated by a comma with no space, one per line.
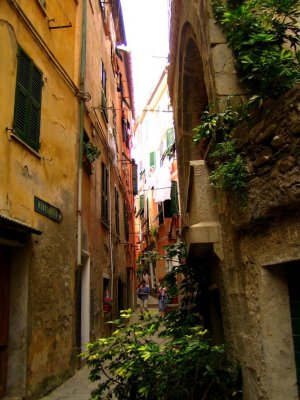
[265,39]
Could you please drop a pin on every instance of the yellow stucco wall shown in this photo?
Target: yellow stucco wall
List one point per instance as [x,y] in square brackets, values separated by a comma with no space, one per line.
[44,341]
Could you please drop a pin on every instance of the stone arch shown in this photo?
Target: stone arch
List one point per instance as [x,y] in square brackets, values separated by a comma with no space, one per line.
[192,101]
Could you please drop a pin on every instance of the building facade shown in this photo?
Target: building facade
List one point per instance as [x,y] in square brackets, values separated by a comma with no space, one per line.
[66,197]
[250,256]
[157,208]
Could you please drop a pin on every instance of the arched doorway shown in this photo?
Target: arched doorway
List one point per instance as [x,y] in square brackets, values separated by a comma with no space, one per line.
[192,101]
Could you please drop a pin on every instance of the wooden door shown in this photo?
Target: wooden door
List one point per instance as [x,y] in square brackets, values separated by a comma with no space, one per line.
[4,316]
[294,292]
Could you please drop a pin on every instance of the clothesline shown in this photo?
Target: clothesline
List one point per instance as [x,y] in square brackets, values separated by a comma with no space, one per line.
[146,190]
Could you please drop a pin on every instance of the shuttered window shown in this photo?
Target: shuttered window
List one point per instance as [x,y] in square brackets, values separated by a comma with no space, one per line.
[117,210]
[104,194]
[134,178]
[171,206]
[126,221]
[152,159]
[27,115]
[174,199]
[170,137]
[103,93]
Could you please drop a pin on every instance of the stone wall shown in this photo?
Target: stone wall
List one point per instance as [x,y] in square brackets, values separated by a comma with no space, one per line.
[261,242]
[271,147]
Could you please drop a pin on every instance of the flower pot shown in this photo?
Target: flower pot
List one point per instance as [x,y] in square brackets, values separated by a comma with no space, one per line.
[106,307]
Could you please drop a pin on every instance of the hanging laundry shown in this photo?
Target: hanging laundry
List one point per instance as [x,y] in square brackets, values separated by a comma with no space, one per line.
[162,187]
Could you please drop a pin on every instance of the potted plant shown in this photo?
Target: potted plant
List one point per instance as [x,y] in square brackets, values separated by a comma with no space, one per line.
[90,154]
[107,303]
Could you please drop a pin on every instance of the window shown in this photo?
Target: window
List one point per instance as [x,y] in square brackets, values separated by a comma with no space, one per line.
[27,114]
[104,194]
[117,210]
[141,211]
[134,178]
[171,206]
[125,128]
[168,208]
[103,93]
[152,159]
[170,137]
[174,198]
[126,221]
[160,214]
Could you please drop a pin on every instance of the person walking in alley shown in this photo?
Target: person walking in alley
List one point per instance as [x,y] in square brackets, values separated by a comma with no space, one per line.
[162,298]
[143,294]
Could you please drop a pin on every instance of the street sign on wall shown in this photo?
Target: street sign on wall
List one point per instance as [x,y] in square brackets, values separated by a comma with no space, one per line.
[46,209]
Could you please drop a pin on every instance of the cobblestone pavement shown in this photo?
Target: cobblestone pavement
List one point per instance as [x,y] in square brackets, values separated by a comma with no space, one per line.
[78,387]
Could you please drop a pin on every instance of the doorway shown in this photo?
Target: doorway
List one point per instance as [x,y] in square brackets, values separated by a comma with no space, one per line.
[4,316]
[293,277]
[85,301]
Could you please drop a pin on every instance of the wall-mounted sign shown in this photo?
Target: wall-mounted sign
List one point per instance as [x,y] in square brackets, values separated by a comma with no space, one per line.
[47,209]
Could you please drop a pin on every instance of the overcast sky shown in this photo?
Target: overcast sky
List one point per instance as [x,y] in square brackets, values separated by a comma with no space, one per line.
[147,32]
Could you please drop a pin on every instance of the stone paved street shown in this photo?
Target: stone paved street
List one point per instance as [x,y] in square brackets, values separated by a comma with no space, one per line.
[76,388]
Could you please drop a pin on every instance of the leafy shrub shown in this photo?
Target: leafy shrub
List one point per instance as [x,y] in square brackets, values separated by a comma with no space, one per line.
[136,363]
[170,358]
[265,38]
[259,33]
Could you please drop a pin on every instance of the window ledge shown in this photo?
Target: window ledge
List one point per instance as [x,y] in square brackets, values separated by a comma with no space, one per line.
[19,140]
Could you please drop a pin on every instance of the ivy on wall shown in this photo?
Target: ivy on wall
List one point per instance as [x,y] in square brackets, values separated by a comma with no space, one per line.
[264,38]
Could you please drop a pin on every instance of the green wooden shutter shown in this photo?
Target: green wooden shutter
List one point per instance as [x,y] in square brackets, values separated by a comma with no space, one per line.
[170,137]
[28,99]
[152,159]
[35,107]
[134,178]
[141,202]
[22,95]
[174,199]
[104,194]
[117,211]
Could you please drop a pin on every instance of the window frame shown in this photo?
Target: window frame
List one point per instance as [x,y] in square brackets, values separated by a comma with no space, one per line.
[117,210]
[104,195]
[152,159]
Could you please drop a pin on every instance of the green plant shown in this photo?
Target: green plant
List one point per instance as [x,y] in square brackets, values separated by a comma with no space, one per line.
[229,169]
[91,151]
[218,124]
[134,363]
[259,33]
[170,358]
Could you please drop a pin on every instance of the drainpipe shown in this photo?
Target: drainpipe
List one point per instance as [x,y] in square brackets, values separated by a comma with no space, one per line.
[81,119]
[78,273]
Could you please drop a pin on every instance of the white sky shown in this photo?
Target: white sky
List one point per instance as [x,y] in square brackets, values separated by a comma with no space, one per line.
[147,33]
